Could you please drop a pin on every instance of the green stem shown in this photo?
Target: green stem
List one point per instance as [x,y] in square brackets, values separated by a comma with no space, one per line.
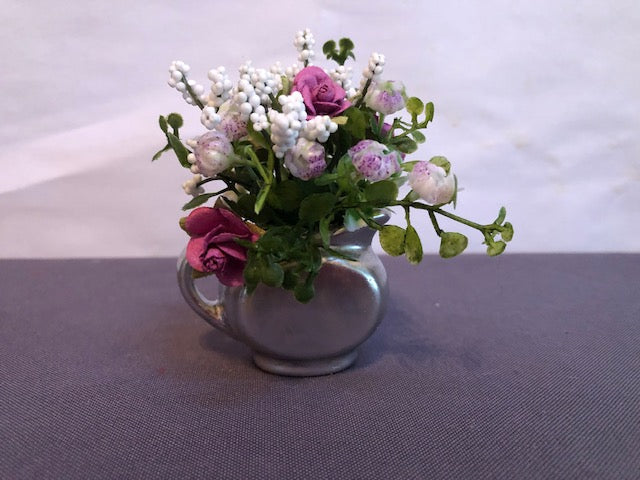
[258,165]
[193,96]
[434,222]
[368,221]
[364,92]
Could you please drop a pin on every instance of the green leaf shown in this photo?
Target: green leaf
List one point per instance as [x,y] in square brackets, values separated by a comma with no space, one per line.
[304,292]
[163,123]
[325,179]
[442,162]
[180,150]
[316,206]
[345,44]
[341,120]
[392,240]
[159,153]
[418,137]
[285,196]
[199,200]
[325,233]
[428,111]
[257,139]
[413,245]
[286,85]
[381,193]
[356,125]
[404,144]
[329,48]
[496,248]
[507,232]
[414,106]
[272,274]
[182,222]
[452,244]
[175,120]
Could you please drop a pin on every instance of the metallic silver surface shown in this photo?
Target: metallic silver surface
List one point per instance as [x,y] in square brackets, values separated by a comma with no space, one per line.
[291,338]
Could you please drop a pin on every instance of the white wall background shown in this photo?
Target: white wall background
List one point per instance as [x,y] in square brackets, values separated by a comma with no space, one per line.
[537,107]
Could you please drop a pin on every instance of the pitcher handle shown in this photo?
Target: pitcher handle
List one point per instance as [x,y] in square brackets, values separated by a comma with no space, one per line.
[212,311]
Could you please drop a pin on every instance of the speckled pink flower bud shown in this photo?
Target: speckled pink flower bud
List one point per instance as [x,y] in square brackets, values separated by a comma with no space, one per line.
[306,159]
[386,97]
[231,123]
[374,161]
[212,153]
[432,183]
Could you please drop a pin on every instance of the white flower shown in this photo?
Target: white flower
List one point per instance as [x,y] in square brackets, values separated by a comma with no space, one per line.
[432,183]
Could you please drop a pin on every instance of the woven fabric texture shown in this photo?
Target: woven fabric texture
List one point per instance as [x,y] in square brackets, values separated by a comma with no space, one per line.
[522,366]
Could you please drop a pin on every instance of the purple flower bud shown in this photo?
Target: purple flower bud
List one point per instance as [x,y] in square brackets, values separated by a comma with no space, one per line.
[374,161]
[432,183]
[306,159]
[212,153]
[386,97]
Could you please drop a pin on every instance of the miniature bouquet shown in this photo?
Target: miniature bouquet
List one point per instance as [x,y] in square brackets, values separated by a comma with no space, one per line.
[296,154]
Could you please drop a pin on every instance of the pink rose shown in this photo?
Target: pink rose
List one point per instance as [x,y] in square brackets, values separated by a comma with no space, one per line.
[322,96]
[212,247]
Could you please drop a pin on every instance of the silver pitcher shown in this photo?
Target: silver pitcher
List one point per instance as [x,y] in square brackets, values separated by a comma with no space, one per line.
[295,339]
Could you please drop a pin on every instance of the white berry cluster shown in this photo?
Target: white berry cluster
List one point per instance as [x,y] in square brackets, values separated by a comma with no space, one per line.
[319,128]
[286,126]
[264,82]
[220,87]
[373,70]
[209,117]
[178,76]
[293,70]
[342,76]
[191,158]
[304,43]
[191,187]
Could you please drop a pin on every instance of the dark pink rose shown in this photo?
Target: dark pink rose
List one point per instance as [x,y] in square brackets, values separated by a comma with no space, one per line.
[212,247]
[322,96]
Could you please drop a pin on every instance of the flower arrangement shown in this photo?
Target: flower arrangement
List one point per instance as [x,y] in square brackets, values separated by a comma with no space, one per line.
[299,154]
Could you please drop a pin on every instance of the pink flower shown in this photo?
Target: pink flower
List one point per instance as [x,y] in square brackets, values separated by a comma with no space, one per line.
[322,96]
[374,161]
[306,159]
[386,97]
[212,247]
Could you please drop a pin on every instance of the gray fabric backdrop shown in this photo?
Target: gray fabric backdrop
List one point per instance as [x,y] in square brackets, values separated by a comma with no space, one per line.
[515,367]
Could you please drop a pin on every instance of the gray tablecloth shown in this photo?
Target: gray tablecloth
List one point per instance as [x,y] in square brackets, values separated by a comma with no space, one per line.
[522,366]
